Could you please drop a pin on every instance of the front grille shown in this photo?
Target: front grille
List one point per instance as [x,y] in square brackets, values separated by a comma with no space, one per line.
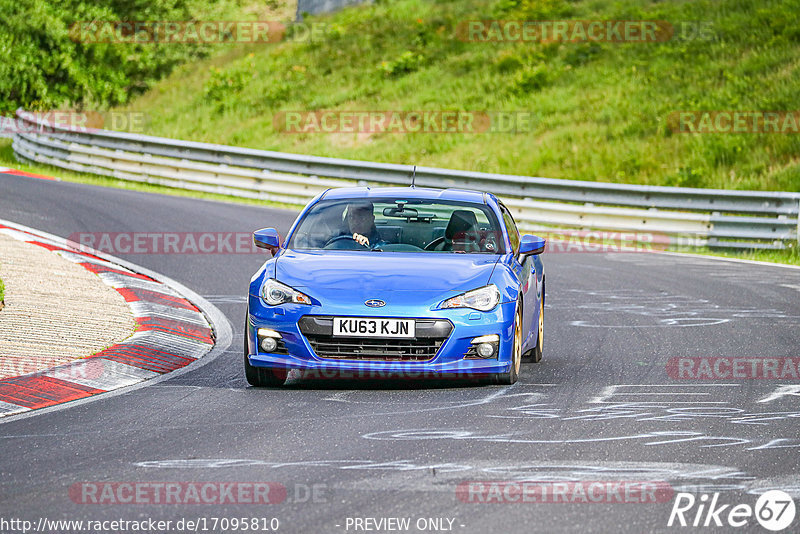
[430,336]
[351,348]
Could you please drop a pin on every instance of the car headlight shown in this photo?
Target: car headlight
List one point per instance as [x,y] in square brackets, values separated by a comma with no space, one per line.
[274,293]
[483,299]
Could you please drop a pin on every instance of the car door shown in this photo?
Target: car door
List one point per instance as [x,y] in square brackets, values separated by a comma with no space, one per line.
[526,274]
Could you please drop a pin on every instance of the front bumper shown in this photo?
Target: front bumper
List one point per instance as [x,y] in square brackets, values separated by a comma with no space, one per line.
[449,360]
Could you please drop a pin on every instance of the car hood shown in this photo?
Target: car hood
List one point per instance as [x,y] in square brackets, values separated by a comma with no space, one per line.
[375,273]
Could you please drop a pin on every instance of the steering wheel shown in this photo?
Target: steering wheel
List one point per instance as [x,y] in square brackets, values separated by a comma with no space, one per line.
[338,238]
[434,243]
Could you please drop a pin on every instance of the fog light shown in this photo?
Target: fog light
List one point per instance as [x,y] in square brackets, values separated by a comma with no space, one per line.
[269,339]
[269,344]
[485,350]
[484,347]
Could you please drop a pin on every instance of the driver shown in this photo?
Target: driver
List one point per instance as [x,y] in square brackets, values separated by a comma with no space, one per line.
[360,220]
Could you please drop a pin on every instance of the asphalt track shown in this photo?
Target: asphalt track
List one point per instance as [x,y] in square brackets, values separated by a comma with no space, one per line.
[600,407]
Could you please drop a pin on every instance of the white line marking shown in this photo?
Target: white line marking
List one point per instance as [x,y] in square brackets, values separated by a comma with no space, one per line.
[732,260]
[782,391]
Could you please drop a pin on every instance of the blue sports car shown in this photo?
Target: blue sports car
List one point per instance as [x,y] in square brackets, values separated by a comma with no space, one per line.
[401,281]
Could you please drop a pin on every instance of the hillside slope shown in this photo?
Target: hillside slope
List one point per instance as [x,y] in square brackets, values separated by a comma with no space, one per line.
[601,110]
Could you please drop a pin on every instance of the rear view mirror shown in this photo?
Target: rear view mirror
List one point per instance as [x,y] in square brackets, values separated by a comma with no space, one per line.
[531,244]
[267,238]
[407,213]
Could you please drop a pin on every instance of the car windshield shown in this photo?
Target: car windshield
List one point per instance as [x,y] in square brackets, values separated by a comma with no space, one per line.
[399,225]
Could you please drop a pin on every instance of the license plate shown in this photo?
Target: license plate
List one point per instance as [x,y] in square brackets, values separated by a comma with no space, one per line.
[369,327]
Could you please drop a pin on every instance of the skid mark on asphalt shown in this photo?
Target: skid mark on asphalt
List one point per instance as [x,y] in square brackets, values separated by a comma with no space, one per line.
[447,405]
[660,394]
[505,394]
[637,412]
[405,474]
[665,403]
[666,437]
[613,308]
[340,397]
[539,470]
[782,391]
[671,403]
[699,268]
[648,438]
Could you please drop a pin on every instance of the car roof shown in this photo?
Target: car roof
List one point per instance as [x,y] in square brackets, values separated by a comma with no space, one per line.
[465,195]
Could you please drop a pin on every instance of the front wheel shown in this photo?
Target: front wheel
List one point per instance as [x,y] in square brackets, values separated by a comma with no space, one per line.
[512,375]
[261,376]
[264,376]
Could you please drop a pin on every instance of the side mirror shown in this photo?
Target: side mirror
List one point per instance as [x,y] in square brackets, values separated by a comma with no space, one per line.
[531,244]
[267,238]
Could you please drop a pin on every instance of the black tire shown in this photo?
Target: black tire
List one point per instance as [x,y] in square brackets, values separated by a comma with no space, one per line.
[261,376]
[535,354]
[512,375]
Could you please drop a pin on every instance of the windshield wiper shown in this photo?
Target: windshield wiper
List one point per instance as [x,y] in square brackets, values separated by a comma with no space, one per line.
[377,249]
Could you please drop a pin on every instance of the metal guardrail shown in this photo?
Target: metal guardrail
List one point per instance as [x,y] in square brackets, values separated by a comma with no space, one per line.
[315,7]
[717,218]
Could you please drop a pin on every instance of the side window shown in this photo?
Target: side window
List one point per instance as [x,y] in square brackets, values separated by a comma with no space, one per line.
[513,233]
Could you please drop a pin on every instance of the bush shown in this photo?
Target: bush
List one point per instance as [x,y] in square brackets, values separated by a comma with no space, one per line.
[226,83]
[407,62]
[47,62]
[530,80]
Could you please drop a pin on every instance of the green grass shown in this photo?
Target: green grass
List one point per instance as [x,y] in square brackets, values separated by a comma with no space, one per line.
[2,290]
[601,109]
[789,256]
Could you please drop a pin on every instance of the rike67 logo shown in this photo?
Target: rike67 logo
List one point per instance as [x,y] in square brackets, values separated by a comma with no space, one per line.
[774,510]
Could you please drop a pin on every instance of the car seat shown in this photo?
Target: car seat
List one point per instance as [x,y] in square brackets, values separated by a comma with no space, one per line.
[462,232]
